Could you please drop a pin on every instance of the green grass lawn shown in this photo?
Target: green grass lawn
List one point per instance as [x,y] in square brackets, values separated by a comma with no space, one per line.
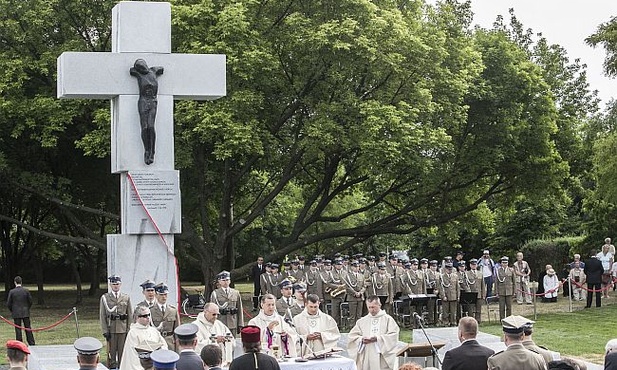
[582,333]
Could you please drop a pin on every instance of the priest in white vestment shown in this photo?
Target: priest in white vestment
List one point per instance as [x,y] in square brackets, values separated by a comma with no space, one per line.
[274,329]
[141,332]
[213,331]
[373,341]
[317,329]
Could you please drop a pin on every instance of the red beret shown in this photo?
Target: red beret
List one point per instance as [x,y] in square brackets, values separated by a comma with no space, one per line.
[15,344]
[250,334]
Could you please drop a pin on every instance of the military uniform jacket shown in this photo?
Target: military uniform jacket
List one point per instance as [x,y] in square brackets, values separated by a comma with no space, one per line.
[355,284]
[115,314]
[504,281]
[283,306]
[230,307]
[165,322]
[147,304]
[270,284]
[413,282]
[516,357]
[432,280]
[475,283]
[334,279]
[315,283]
[297,274]
[381,285]
[449,286]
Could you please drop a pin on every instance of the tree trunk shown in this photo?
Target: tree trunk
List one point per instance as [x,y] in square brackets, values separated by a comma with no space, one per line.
[38,270]
[75,270]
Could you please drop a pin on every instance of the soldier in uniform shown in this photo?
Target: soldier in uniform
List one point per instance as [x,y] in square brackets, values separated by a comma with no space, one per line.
[314,281]
[449,289]
[460,265]
[504,286]
[264,287]
[147,288]
[273,280]
[532,346]
[522,271]
[165,317]
[115,316]
[474,283]
[432,287]
[395,272]
[229,302]
[295,271]
[515,356]
[286,270]
[380,285]
[372,265]
[336,286]
[299,299]
[356,287]
[88,349]
[284,304]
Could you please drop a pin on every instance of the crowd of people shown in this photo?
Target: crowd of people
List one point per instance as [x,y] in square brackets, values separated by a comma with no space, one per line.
[301,306]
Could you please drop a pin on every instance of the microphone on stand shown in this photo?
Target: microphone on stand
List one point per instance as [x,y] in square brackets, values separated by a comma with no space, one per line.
[418,317]
[290,322]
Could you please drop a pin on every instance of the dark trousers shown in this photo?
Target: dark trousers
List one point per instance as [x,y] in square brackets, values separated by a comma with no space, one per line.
[597,287]
[489,285]
[256,295]
[26,324]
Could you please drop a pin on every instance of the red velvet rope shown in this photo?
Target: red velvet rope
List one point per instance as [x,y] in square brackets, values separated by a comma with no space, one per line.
[38,329]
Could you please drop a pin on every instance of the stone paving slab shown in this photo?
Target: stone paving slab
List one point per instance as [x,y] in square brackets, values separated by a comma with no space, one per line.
[54,357]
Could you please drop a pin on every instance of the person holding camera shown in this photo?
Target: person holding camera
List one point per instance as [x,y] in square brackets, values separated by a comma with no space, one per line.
[522,271]
[229,302]
[577,275]
[116,316]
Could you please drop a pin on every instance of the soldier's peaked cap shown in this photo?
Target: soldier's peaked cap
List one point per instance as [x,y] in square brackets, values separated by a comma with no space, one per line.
[148,284]
[186,331]
[515,324]
[88,346]
[114,279]
[161,288]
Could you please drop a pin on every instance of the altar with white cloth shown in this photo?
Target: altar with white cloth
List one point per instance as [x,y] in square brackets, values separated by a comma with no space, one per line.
[330,363]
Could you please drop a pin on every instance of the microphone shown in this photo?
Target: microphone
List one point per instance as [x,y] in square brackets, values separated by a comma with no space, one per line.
[418,317]
[290,322]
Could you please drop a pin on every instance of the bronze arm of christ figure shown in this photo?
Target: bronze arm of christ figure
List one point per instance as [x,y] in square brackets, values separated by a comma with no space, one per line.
[146,105]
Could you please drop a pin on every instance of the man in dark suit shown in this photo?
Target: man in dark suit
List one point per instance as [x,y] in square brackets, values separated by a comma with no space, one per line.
[594,270]
[19,303]
[212,356]
[258,269]
[470,355]
[186,341]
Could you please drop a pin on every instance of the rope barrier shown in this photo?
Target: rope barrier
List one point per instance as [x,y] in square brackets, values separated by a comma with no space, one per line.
[38,329]
[607,287]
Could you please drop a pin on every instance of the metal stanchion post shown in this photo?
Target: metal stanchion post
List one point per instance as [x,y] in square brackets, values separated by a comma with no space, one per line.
[76,321]
[535,301]
[570,293]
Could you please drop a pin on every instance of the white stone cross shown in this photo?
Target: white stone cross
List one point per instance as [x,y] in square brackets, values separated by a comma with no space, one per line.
[142,30]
